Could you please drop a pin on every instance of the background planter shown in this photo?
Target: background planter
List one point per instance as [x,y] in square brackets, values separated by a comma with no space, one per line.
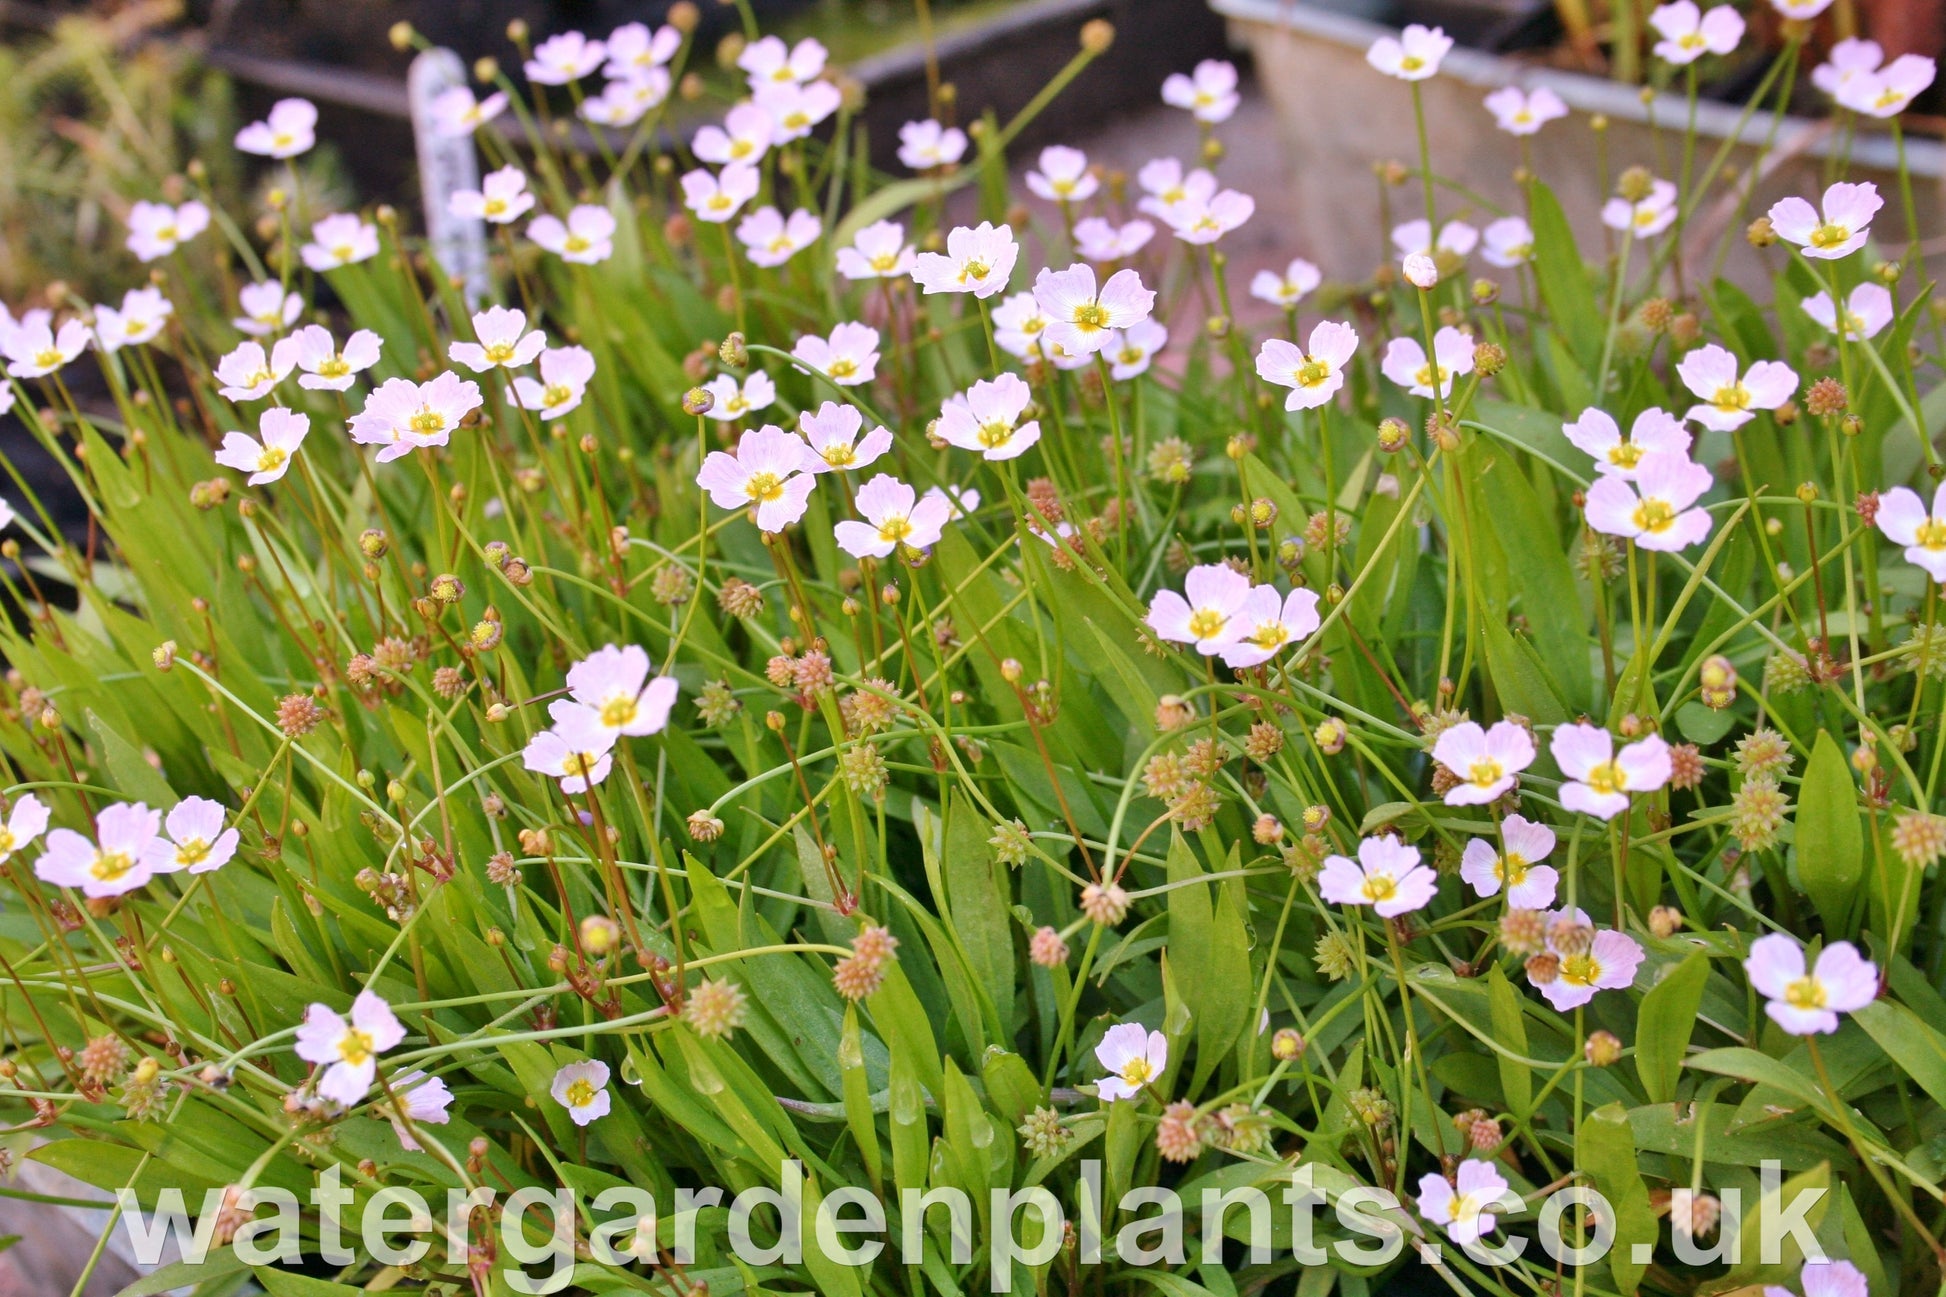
[1339,116]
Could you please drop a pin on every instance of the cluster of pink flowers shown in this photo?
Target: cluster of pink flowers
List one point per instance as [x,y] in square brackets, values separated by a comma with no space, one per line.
[611,696]
[1224,614]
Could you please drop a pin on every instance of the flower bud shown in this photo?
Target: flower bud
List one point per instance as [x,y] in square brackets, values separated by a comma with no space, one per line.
[1393,435]
[696,401]
[1421,271]
[1097,35]
[733,352]
[1665,921]
[1604,1049]
[1287,1045]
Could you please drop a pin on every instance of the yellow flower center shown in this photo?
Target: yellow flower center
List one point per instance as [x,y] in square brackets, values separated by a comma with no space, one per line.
[427,421]
[1429,375]
[271,457]
[576,243]
[1607,778]
[354,1047]
[1829,235]
[974,270]
[167,234]
[556,394]
[1270,635]
[884,262]
[1654,515]
[1129,355]
[618,711]
[495,206]
[110,865]
[336,367]
[742,148]
[1511,869]
[1137,1071]
[580,763]
[193,852]
[1091,317]
[843,367]
[996,434]
[1312,372]
[580,1094]
[500,353]
[1691,40]
[1734,397]
[342,252]
[1805,993]
[1207,623]
[1380,887]
[764,487]
[895,529]
[718,203]
[797,121]
[839,455]
[7,843]
[49,359]
[1411,63]
[1930,534]
[1484,772]
[1625,454]
[1580,970]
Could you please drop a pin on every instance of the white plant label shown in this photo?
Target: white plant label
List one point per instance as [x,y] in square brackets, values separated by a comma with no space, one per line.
[446,164]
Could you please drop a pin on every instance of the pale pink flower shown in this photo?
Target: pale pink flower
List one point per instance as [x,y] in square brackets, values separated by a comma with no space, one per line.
[564,376]
[267,308]
[1413,55]
[1202,221]
[248,374]
[926,144]
[401,415]
[501,199]
[1601,780]
[625,101]
[505,341]
[1903,517]
[1063,176]
[1079,315]
[848,357]
[1688,33]
[1166,186]
[1469,1210]
[586,238]
[577,752]
[1655,431]
[1386,876]
[986,418]
[716,198]
[1652,505]
[1209,613]
[633,49]
[1826,1279]
[960,501]
[1484,761]
[1209,92]
[1848,60]
[832,433]
[341,240]
[282,432]
[1519,112]
[1404,362]
[24,823]
[1802,10]
[796,110]
[325,368]
[1268,624]
[610,689]
[348,1050]
[769,60]
[1018,324]
[33,348]
[1420,270]
[1838,230]
[199,839]
[289,129]
[1888,91]
[1314,375]
[126,854]
[421,1100]
[895,517]
[156,229]
[1807,1003]
[744,137]
[1298,281]
[1727,401]
[732,400]
[1645,218]
[565,57]
[1867,311]
[1097,239]
[1133,1058]
[771,471]
[1608,964]
[1530,885]
[140,319]
[457,113]
[1456,237]
[582,1088]
[879,251]
[1508,242]
[1129,351]
[977,261]
[770,239]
